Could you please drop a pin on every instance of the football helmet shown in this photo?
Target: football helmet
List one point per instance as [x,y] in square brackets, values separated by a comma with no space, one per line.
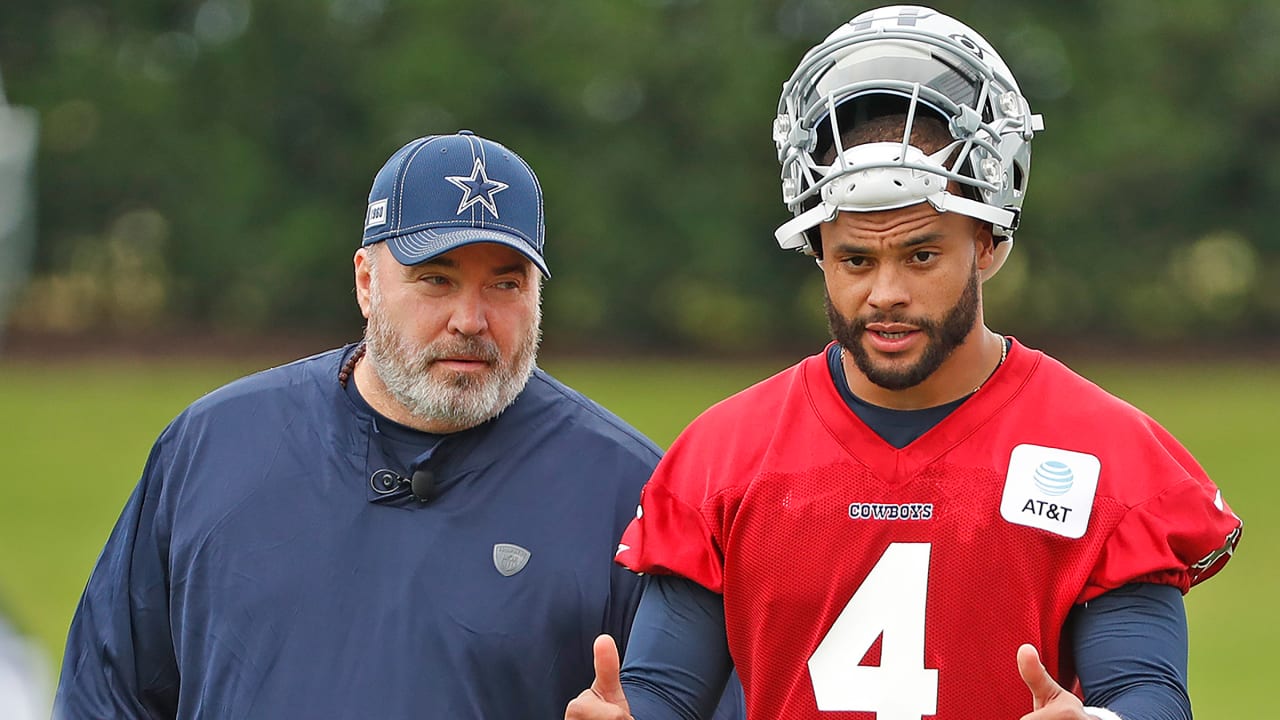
[909,60]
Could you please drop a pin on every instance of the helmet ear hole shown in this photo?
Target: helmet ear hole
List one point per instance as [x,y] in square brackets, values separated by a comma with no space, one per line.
[1019,178]
[814,238]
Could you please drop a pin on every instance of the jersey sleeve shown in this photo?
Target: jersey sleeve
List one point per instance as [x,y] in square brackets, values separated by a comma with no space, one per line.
[119,659]
[677,528]
[671,537]
[1180,536]
[689,507]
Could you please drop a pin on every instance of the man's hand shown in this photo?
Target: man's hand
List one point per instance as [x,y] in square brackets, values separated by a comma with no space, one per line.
[604,700]
[1049,701]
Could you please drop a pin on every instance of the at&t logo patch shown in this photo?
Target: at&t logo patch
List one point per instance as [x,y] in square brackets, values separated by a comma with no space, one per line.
[1051,489]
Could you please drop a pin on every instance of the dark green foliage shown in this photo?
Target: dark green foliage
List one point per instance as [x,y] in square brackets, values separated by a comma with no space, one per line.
[205,164]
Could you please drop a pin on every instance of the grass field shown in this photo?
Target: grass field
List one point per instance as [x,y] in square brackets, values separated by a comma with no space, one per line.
[76,436]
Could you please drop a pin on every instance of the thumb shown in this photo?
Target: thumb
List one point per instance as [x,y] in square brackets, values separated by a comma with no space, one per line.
[1043,687]
[607,686]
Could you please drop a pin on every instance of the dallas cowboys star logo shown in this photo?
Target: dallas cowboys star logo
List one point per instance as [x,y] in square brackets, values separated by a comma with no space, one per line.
[477,188]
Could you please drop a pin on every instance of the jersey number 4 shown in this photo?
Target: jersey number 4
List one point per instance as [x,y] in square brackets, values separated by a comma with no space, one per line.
[890,602]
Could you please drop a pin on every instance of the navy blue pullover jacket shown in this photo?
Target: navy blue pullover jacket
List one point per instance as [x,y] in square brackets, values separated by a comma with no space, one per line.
[256,572]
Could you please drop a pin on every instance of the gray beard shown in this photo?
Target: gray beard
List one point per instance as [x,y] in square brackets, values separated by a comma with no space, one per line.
[458,400]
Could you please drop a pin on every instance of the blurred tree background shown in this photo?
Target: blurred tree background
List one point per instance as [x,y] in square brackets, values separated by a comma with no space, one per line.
[204,164]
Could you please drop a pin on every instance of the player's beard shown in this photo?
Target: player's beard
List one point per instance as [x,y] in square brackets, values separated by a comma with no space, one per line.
[459,400]
[943,337]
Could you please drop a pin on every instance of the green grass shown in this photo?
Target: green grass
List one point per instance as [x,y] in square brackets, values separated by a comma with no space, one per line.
[76,438]
[77,434]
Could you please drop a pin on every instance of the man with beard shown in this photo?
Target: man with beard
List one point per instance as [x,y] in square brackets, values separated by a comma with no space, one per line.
[927,519]
[418,525]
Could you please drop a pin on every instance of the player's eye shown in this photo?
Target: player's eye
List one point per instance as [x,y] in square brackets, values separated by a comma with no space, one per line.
[923,256]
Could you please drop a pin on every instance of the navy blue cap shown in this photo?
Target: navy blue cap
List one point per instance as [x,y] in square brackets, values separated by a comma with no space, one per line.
[444,191]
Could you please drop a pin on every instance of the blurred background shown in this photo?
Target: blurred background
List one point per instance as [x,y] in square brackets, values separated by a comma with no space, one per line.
[183,183]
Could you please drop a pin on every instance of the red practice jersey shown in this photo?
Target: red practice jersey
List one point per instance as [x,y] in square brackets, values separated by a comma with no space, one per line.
[863,581]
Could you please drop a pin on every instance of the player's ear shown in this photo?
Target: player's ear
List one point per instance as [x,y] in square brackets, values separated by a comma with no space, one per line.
[985,245]
[364,279]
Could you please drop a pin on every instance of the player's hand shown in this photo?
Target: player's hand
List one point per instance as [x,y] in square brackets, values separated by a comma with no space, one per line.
[1049,700]
[604,700]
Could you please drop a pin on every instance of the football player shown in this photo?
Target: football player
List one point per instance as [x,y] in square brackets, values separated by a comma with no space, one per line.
[927,519]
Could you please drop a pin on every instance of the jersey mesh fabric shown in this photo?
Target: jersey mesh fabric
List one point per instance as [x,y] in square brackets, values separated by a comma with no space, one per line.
[787,504]
[992,585]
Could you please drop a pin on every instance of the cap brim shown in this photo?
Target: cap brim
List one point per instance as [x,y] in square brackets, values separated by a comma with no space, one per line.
[424,245]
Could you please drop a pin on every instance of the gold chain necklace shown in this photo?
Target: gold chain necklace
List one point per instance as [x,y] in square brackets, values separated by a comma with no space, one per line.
[1004,351]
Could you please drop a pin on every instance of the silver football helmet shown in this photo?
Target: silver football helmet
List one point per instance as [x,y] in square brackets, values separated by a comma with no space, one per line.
[911,60]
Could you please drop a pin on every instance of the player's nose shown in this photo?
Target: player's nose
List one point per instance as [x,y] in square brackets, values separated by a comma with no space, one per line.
[888,288]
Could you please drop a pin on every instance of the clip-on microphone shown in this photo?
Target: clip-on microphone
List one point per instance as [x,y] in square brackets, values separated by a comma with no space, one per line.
[423,485]
[421,481]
